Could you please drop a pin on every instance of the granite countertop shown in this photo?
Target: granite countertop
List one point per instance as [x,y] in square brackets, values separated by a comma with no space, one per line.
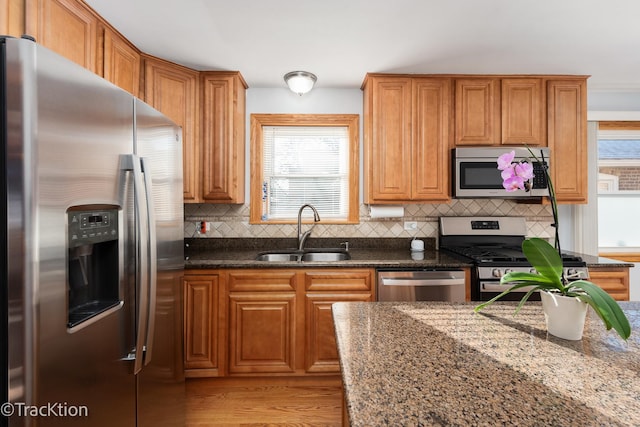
[419,364]
[365,253]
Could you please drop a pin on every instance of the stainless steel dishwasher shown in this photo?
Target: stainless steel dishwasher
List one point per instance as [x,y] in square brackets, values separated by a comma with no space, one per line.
[421,285]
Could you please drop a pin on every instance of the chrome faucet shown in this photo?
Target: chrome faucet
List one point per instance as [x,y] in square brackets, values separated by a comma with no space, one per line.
[303,237]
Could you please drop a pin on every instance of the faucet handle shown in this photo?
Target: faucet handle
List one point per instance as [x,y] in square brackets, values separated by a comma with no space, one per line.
[346,246]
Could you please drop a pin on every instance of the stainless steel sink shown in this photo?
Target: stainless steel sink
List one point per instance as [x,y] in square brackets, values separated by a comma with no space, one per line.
[326,256]
[278,257]
[309,255]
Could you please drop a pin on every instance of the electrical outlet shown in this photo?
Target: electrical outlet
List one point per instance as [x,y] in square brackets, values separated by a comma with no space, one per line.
[204,227]
[410,225]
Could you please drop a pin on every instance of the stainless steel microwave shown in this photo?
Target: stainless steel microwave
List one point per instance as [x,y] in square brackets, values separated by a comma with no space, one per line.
[476,174]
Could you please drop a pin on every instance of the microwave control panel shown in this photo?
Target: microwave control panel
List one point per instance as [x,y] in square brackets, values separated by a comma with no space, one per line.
[539,175]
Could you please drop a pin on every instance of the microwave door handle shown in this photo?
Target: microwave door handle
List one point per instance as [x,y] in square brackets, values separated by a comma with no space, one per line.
[152,251]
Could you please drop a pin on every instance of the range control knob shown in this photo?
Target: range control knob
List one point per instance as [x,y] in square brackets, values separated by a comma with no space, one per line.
[532,271]
[496,272]
[508,270]
[572,272]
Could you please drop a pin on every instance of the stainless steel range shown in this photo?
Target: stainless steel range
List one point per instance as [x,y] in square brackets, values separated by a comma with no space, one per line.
[494,245]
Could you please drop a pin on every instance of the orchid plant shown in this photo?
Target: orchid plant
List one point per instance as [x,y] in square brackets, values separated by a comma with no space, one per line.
[547,260]
[515,175]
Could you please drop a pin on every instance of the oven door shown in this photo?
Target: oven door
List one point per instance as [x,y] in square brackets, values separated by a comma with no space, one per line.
[421,285]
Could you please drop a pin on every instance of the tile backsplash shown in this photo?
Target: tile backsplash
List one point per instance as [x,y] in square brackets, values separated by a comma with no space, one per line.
[227,221]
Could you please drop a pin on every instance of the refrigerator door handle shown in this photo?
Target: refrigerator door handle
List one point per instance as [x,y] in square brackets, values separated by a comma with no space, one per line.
[133,163]
[152,252]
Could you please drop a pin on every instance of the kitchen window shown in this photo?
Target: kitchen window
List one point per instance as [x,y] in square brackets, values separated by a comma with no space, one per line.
[618,190]
[298,159]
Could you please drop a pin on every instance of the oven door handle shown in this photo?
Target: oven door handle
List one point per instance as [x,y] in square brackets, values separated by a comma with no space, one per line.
[496,287]
[421,282]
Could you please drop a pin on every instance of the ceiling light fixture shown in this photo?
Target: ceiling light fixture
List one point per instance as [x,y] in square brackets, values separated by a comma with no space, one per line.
[300,82]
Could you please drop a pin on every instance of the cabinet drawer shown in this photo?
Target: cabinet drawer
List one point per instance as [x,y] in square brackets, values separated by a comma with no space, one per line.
[338,280]
[615,281]
[261,280]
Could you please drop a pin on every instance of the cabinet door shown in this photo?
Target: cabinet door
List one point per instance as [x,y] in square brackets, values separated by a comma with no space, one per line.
[522,112]
[262,321]
[67,27]
[201,319]
[431,143]
[321,355]
[615,281]
[120,62]
[388,139]
[173,90]
[477,120]
[262,332]
[223,134]
[323,288]
[567,138]
[12,17]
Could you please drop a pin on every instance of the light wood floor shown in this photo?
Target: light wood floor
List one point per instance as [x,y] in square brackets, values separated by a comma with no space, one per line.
[264,402]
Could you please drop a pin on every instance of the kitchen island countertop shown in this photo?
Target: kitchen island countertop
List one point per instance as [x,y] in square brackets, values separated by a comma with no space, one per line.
[419,364]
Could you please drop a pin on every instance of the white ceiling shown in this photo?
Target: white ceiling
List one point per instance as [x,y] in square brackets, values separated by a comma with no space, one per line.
[341,40]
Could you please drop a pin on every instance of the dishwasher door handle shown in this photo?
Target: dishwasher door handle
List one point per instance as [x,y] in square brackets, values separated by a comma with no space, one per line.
[394,281]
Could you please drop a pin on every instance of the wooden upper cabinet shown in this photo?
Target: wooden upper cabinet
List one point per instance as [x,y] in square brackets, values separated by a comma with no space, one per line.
[477,111]
[499,111]
[173,90]
[223,137]
[406,133]
[120,61]
[387,139]
[431,139]
[522,112]
[567,138]
[12,14]
[67,27]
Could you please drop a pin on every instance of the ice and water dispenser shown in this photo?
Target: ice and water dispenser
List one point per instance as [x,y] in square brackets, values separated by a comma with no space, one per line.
[93,264]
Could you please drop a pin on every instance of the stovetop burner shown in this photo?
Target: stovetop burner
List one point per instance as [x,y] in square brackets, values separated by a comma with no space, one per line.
[497,254]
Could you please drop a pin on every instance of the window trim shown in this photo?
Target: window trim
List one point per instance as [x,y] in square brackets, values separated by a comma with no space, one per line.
[258,121]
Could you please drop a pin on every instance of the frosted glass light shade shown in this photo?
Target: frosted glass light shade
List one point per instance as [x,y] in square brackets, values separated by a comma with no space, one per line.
[300,82]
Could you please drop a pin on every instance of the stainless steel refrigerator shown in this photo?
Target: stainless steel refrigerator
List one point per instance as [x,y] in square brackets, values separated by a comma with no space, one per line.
[92,249]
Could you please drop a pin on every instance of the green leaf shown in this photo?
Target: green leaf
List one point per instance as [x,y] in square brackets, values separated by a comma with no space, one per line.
[497,297]
[544,258]
[605,306]
[531,278]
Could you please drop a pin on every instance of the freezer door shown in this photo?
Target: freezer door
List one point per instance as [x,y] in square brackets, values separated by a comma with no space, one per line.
[76,126]
[161,388]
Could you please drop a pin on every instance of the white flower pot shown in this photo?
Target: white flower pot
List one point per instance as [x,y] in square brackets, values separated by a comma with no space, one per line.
[565,316]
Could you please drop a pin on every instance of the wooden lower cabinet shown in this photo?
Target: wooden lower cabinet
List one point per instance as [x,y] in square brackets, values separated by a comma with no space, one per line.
[266,322]
[321,355]
[201,298]
[262,333]
[614,280]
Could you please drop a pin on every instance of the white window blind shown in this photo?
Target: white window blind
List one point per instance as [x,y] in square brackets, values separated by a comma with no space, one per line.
[305,164]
